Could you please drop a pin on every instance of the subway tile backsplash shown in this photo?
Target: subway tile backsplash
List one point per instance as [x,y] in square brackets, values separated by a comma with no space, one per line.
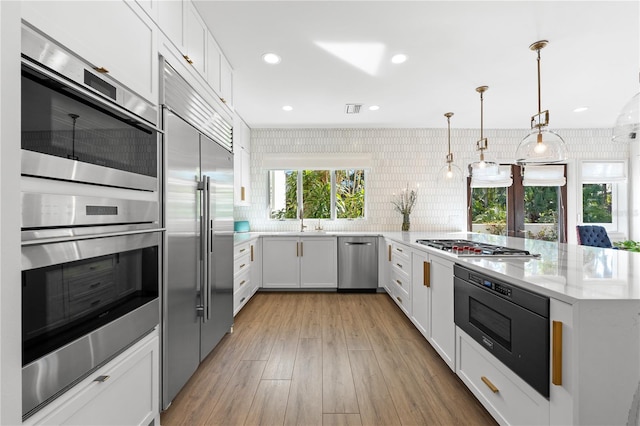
[398,157]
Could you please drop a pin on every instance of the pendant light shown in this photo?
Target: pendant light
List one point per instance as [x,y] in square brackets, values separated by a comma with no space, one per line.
[628,122]
[482,167]
[541,145]
[449,172]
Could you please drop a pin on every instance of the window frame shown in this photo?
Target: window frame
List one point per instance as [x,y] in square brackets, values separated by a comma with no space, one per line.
[333,202]
[618,188]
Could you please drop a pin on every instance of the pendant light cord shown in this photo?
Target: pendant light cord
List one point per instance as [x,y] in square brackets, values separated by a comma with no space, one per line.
[539,85]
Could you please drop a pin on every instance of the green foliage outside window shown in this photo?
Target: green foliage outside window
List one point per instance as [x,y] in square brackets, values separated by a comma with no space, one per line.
[316,194]
[489,207]
[596,203]
[349,194]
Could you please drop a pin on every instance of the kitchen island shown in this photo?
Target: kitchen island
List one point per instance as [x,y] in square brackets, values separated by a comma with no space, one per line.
[594,326]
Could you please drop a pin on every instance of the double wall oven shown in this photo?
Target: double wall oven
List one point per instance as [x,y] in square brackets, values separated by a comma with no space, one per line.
[91,236]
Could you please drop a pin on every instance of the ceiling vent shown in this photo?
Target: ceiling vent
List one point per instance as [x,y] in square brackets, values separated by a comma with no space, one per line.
[352,108]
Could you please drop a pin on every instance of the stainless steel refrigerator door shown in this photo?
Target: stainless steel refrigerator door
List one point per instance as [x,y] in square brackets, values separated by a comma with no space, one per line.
[217,164]
[181,331]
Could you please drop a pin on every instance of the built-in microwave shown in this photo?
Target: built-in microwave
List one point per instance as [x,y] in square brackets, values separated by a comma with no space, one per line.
[80,125]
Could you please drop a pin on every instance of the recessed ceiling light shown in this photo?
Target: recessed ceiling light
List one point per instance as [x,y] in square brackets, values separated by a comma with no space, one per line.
[374,108]
[271,58]
[581,109]
[287,108]
[399,58]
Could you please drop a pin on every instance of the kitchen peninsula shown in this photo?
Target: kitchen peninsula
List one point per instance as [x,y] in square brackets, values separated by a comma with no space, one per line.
[594,299]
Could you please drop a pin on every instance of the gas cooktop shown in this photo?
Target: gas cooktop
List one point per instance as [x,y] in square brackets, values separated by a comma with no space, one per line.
[466,248]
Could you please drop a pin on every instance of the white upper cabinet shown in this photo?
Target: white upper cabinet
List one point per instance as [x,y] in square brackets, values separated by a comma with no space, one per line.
[241,162]
[226,82]
[196,34]
[213,63]
[116,35]
[171,21]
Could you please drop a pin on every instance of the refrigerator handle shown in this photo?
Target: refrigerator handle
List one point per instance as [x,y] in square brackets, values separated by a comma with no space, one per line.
[202,307]
[207,253]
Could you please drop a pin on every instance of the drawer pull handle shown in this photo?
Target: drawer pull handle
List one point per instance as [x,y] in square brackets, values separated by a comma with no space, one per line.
[426,278]
[398,265]
[242,300]
[242,282]
[101,70]
[244,249]
[243,265]
[399,282]
[490,385]
[389,253]
[188,59]
[399,299]
[252,252]
[101,379]
[556,355]
[399,249]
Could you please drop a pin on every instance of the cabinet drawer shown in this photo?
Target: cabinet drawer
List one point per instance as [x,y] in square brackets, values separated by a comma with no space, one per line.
[241,264]
[240,298]
[511,401]
[241,250]
[242,280]
[402,299]
[401,281]
[401,264]
[400,250]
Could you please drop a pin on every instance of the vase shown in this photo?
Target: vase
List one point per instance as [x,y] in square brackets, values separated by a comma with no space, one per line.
[405,222]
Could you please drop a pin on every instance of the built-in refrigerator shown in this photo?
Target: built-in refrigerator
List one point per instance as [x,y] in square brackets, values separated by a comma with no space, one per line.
[198,294]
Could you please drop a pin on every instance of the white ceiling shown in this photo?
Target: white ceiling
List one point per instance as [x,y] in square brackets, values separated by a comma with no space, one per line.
[452,46]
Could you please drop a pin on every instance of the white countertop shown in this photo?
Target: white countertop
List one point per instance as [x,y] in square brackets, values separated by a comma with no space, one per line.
[566,272]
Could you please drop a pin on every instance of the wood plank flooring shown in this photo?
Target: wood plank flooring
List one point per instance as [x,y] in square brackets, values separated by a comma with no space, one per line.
[324,359]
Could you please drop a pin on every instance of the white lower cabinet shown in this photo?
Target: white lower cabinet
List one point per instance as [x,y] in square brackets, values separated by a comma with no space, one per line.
[306,262]
[505,395]
[400,277]
[442,325]
[124,391]
[246,273]
[421,293]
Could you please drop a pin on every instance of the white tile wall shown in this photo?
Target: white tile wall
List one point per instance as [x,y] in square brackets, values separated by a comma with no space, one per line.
[401,156]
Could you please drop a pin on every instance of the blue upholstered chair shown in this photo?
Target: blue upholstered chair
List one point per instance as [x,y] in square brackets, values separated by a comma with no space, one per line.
[593,235]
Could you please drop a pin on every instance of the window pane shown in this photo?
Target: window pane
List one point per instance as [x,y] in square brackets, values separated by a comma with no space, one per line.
[489,210]
[349,194]
[596,203]
[541,212]
[283,194]
[316,194]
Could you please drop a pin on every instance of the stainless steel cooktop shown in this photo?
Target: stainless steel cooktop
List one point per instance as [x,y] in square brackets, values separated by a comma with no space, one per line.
[466,248]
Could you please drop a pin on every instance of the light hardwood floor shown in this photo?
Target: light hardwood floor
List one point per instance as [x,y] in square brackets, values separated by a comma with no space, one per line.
[324,359]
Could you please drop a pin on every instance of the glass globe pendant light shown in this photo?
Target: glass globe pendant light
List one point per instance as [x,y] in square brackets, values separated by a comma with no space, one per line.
[482,168]
[628,122]
[450,172]
[541,145]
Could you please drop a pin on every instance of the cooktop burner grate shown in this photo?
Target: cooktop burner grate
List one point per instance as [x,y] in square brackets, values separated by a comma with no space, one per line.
[466,248]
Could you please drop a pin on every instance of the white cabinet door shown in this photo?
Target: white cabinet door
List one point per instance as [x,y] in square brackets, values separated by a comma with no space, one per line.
[241,162]
[213,64]
[196,34]
[129,396]
[226,82]
[280,262]
[256,265]
[115,35]
[245,177]
[318,262]
[442,325]
[171,21]
[421,296]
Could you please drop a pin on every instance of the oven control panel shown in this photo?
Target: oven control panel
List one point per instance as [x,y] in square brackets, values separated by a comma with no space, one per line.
[493,286]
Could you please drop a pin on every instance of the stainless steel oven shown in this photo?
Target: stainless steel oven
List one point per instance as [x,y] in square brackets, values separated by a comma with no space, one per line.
[510,322]
[80,125]
[91,236]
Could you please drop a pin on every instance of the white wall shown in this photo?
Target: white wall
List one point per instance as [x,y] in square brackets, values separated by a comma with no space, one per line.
[10,289]
[401,156]
[634,189]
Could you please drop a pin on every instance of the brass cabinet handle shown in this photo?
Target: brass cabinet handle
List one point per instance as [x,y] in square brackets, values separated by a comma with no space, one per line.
[101,70]
[252,252]
[399,299]
[556,354]
[224,101]
[297,249]
[301,249]
[399,265]
[399,282]
[243,265]
[101,379]
[241,283]
[241,250]
[399,249]
[242,193]
[389,252]
[242,300]
[426,271]
[188,59]
[490,385]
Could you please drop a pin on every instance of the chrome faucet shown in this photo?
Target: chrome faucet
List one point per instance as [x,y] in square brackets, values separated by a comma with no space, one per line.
[302,225]
[319,228]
